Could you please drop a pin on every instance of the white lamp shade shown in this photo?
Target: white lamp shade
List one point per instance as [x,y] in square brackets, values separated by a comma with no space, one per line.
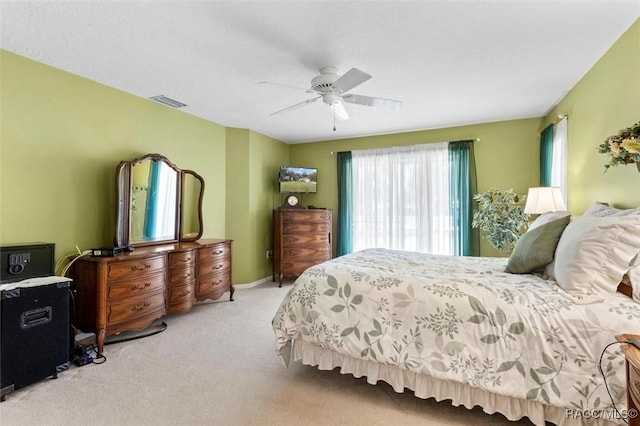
[543,200]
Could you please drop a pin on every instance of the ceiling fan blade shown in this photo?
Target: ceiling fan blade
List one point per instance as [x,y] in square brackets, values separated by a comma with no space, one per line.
[286,85]
[388,104]
[298,105]
[338,111]
[352,78]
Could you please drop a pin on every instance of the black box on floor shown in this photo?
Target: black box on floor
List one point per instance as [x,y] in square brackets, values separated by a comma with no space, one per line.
[21,261]
[34,332]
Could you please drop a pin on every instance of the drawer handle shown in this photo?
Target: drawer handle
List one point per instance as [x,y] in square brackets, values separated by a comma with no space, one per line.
[136,308]
[218,266]
[218,252]
[140,286]
[217,282]
[185,260]
[141,267]
[184,293]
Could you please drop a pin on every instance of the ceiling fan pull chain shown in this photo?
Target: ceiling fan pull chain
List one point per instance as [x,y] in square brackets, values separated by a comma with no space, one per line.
[334,118]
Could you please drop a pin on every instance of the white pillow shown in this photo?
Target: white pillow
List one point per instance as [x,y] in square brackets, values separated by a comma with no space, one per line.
[602,210]
[593,255]
[634,279]
[597,209]
[545,218]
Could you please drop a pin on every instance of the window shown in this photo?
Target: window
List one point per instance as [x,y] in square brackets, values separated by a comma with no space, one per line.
[553,156]
[401,198]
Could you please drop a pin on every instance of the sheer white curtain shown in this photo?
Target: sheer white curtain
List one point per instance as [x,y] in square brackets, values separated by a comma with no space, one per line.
[401,198]
[559,159]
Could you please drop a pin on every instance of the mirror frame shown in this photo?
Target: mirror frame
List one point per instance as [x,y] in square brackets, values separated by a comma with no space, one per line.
[123,202]
[183,175]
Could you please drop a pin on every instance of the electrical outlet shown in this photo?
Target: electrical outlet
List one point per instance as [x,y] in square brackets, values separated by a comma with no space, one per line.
[269,254]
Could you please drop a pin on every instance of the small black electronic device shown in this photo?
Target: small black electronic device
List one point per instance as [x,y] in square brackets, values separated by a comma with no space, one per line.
[83,359]
[83,345]
[110,251]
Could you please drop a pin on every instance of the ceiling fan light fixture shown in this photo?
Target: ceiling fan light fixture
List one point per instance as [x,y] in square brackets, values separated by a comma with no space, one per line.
[332,89]
[338,110]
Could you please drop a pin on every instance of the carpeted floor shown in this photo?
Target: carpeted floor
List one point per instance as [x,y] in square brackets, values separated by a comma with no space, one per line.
[216,365]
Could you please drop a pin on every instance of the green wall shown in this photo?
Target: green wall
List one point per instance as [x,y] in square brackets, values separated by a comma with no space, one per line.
[62,137]
[253,162]
[604,101]
[506,157]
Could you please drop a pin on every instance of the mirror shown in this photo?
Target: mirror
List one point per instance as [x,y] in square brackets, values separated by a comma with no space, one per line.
[157,203]
[191,221]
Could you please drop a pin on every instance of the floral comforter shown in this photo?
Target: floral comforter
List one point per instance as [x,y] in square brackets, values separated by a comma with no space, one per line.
[462,319]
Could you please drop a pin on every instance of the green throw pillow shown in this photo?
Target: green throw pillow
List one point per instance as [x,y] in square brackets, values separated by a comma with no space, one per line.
[536,248]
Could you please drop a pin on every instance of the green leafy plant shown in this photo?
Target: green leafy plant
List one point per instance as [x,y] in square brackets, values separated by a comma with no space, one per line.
[623,147]
[500,217]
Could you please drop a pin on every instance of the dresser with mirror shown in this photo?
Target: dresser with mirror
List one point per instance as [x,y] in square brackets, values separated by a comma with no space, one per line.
[167,266]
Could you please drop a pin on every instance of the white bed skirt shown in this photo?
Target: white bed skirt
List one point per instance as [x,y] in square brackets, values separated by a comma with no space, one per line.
[428,387]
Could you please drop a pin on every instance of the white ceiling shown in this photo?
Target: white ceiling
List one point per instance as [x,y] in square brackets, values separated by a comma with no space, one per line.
[451,62]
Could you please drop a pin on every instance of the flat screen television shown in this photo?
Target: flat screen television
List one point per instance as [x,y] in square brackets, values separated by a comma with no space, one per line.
[296,180]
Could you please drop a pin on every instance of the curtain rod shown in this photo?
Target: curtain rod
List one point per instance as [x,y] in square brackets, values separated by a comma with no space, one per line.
[558,119]
[472,140]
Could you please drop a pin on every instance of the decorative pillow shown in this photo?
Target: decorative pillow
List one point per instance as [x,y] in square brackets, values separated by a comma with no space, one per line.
[535,248]
[597,209]
[603,210]
[546,218]
[593,254]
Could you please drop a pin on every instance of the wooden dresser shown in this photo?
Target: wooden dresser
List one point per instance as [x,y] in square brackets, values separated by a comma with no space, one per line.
[130,291]
[632,355]
[301,238]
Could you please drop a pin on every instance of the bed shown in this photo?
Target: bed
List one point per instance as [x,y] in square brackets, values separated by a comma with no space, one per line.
[464,329]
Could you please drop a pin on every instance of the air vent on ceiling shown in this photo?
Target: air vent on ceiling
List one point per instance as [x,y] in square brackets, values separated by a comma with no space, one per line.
[168,101]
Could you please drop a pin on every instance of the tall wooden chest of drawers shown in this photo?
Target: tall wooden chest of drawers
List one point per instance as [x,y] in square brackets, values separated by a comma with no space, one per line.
[130,291]
[301,239]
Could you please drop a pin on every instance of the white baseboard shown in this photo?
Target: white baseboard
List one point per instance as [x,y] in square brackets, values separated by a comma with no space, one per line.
[254,283]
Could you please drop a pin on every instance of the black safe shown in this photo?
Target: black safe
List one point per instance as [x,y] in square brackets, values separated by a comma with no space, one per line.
[34,333]
[29,260]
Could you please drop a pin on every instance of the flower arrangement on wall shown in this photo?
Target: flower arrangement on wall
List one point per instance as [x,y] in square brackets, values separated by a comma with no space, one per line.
[500,217]
[623,147]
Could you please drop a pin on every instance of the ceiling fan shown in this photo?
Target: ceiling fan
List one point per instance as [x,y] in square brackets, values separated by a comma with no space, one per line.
[332,90]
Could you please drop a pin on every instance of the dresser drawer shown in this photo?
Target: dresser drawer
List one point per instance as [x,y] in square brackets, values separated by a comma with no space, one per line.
[295,228]
[214,252]
[217,284]
[294,268]
[182,259]
[289,240]
[132,288]
[136,268]
[181,294]
[213,266]
[181,275]
[311,253]
[135,307]
[317,216]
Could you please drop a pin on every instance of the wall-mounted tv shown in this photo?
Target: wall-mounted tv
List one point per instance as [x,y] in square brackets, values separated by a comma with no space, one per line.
[298,180]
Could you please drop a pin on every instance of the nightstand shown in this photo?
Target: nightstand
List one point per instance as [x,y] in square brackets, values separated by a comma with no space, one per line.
[632,355]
